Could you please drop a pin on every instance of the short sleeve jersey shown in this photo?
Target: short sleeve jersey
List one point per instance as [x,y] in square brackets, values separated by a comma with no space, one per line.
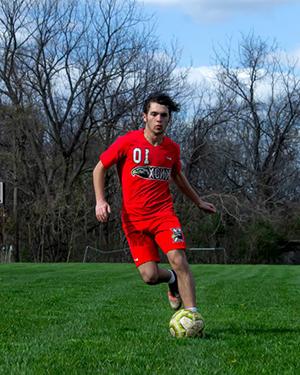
[145,172]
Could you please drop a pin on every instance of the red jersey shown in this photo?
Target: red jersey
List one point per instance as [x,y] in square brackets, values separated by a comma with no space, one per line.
[145,172]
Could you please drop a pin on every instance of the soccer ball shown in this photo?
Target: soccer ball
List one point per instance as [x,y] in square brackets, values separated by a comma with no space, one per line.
[185,323]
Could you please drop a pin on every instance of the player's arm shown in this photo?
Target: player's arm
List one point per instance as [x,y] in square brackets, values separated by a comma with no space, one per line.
[102,208]
[186,188]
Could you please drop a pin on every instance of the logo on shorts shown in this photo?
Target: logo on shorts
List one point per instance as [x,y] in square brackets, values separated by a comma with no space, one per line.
[152,173]
[177,235]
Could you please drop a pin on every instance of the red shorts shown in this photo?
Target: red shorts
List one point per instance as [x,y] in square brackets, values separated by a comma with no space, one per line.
[145,236]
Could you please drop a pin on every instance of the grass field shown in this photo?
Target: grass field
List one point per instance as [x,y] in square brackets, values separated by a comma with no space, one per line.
[101,319]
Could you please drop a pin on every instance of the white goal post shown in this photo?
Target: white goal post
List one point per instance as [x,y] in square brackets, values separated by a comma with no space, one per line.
[6,252]
[1,192]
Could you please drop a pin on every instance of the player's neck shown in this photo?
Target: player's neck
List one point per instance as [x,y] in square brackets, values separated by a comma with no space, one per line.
[154,139]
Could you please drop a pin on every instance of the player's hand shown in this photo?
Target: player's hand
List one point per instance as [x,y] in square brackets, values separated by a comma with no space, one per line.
[102,210]
[207,207]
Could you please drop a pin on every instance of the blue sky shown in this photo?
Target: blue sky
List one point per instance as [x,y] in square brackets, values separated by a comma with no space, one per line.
[201,25]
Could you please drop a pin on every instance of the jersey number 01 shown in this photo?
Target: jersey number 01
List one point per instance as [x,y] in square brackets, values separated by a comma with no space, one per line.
[137,155]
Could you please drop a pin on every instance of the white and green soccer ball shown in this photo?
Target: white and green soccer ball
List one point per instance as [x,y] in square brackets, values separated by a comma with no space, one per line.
[185,323]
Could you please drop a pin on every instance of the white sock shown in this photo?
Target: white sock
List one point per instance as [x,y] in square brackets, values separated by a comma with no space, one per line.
[192,309]
[172,278]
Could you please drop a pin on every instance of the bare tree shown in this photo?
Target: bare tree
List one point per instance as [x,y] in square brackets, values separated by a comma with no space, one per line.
[78,72]
[240,149]
[263,124]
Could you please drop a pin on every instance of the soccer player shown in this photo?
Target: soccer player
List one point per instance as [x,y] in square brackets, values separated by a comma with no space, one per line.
[147,160]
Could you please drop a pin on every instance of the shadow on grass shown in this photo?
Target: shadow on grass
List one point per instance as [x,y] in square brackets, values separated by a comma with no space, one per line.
[238,331]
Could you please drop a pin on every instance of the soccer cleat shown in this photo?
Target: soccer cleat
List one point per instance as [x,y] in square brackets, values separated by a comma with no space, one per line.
[173,294]
[175,301]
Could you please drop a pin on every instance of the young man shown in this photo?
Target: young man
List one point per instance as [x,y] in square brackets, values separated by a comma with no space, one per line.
[146,161]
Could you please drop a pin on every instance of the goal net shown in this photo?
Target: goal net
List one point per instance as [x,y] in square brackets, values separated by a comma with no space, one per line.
[94,255]
[210,255]
[194,254]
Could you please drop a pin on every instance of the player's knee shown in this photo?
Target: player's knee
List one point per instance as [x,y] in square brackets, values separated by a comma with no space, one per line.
[150,278]
[178,261]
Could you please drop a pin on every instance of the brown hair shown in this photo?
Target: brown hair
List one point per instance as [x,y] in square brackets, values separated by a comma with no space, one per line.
[163,99]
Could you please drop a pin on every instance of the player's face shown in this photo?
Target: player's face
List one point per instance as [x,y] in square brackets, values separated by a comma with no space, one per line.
[157,118]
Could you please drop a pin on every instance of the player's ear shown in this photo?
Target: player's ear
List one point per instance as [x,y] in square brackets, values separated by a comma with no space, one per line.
[144,116]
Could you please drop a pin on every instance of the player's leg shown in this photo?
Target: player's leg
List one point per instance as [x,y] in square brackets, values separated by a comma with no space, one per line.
[145,254]
[186,285]
[152,274]
[169,236]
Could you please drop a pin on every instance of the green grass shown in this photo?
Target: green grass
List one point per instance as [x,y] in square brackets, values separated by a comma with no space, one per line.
[101,319]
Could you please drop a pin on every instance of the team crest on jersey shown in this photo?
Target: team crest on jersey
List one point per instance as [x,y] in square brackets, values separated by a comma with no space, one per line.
[152,173]
[177,235]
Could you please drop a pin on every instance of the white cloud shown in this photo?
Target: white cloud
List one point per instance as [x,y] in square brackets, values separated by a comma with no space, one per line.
[219,4]
[287,59]
[201,74]
[201,79]
[294,57]
[161,2]
[210,10]
[205,78]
